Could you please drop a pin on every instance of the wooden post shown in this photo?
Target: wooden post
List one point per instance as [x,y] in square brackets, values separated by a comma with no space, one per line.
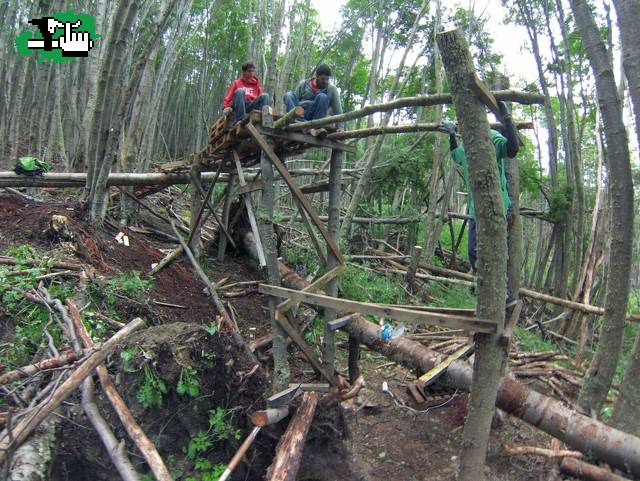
[289,450]
[281,371]
[196,204]
[335,189]
[228,200]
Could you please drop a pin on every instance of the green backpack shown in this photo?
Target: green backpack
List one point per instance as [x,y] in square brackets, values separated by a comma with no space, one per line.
[31,166]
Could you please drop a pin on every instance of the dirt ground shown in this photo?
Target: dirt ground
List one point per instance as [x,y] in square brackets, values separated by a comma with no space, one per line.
[385,441]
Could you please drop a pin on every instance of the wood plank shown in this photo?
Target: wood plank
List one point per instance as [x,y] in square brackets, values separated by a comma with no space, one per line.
[400,314]
[484,94]
[308,139]
[295,190]
[249,207]
[431,375]
[318,284]
[456,311]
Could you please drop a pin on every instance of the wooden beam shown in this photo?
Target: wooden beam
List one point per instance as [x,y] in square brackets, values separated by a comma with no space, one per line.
[418,101]
[295,190]
[432,374]
[307,139]
[254,186]
[316,285]
[312,235]
[289,117]
[400,314]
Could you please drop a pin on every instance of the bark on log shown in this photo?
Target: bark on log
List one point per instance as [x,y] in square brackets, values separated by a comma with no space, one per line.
[579,469]
[419,101]
[51,363]
[134,430]
[25,427]
[289,117]
[289,450]
[404,129]
[580,432]
[30,461]
[10,261]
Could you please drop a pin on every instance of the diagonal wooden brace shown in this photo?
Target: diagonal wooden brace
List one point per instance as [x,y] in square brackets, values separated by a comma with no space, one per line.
[295,190]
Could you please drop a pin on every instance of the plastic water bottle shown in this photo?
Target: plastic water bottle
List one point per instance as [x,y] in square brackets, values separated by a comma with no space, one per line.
[389,332]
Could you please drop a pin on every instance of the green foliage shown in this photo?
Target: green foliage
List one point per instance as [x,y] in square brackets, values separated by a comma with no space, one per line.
[131,284]
[198,444]
[220,426]
[188,384]
[30,320]
[152,389]
[531,341]
[128,357]
[304,259]
[359,284]
[211,328]
[559,204]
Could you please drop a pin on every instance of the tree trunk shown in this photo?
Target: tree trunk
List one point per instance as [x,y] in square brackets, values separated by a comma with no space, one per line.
[600,374]
[628,12]
[491,287]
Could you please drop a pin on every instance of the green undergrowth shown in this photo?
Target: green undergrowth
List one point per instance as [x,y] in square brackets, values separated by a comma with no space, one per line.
[27,326]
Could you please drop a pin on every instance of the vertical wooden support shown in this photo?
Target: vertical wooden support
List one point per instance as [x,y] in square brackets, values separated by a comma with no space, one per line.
[335,175]
[267,235]
[247,203]
[228,200]
[196,205]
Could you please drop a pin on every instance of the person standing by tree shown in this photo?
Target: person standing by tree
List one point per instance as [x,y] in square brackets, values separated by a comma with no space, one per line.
[506,147]
[315,95]
[245,93]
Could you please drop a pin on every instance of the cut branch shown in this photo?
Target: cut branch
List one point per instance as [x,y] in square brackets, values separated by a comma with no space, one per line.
[25,427]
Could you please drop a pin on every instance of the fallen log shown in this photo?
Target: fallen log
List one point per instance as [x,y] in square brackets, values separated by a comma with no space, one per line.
[579,469]
[51,363]
[535,451]
[585,434]
[289,450]
[31,460]
[139,437]
[550,415]
[25,427]
[12,261]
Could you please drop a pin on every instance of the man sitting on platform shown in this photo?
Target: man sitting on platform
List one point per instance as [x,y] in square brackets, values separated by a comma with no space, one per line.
[316,96]
[245,93]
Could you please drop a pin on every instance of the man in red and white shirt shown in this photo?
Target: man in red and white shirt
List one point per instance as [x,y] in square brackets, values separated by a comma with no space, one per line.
[245,93]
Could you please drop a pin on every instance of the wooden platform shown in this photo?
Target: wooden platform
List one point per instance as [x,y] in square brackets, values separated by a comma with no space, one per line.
[226,135]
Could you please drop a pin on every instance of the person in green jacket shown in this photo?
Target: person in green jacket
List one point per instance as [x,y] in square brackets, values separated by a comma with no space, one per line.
[506,148]
[316,96]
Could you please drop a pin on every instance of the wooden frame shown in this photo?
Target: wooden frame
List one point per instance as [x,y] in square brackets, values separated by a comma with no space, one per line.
[397,313]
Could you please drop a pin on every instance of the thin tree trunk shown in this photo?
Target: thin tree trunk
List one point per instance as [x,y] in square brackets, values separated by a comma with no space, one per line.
[491,287]
[600,374]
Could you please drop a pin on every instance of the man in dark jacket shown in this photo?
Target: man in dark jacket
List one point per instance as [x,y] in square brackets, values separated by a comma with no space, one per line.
[316,95]
[506,148]
[245,93]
